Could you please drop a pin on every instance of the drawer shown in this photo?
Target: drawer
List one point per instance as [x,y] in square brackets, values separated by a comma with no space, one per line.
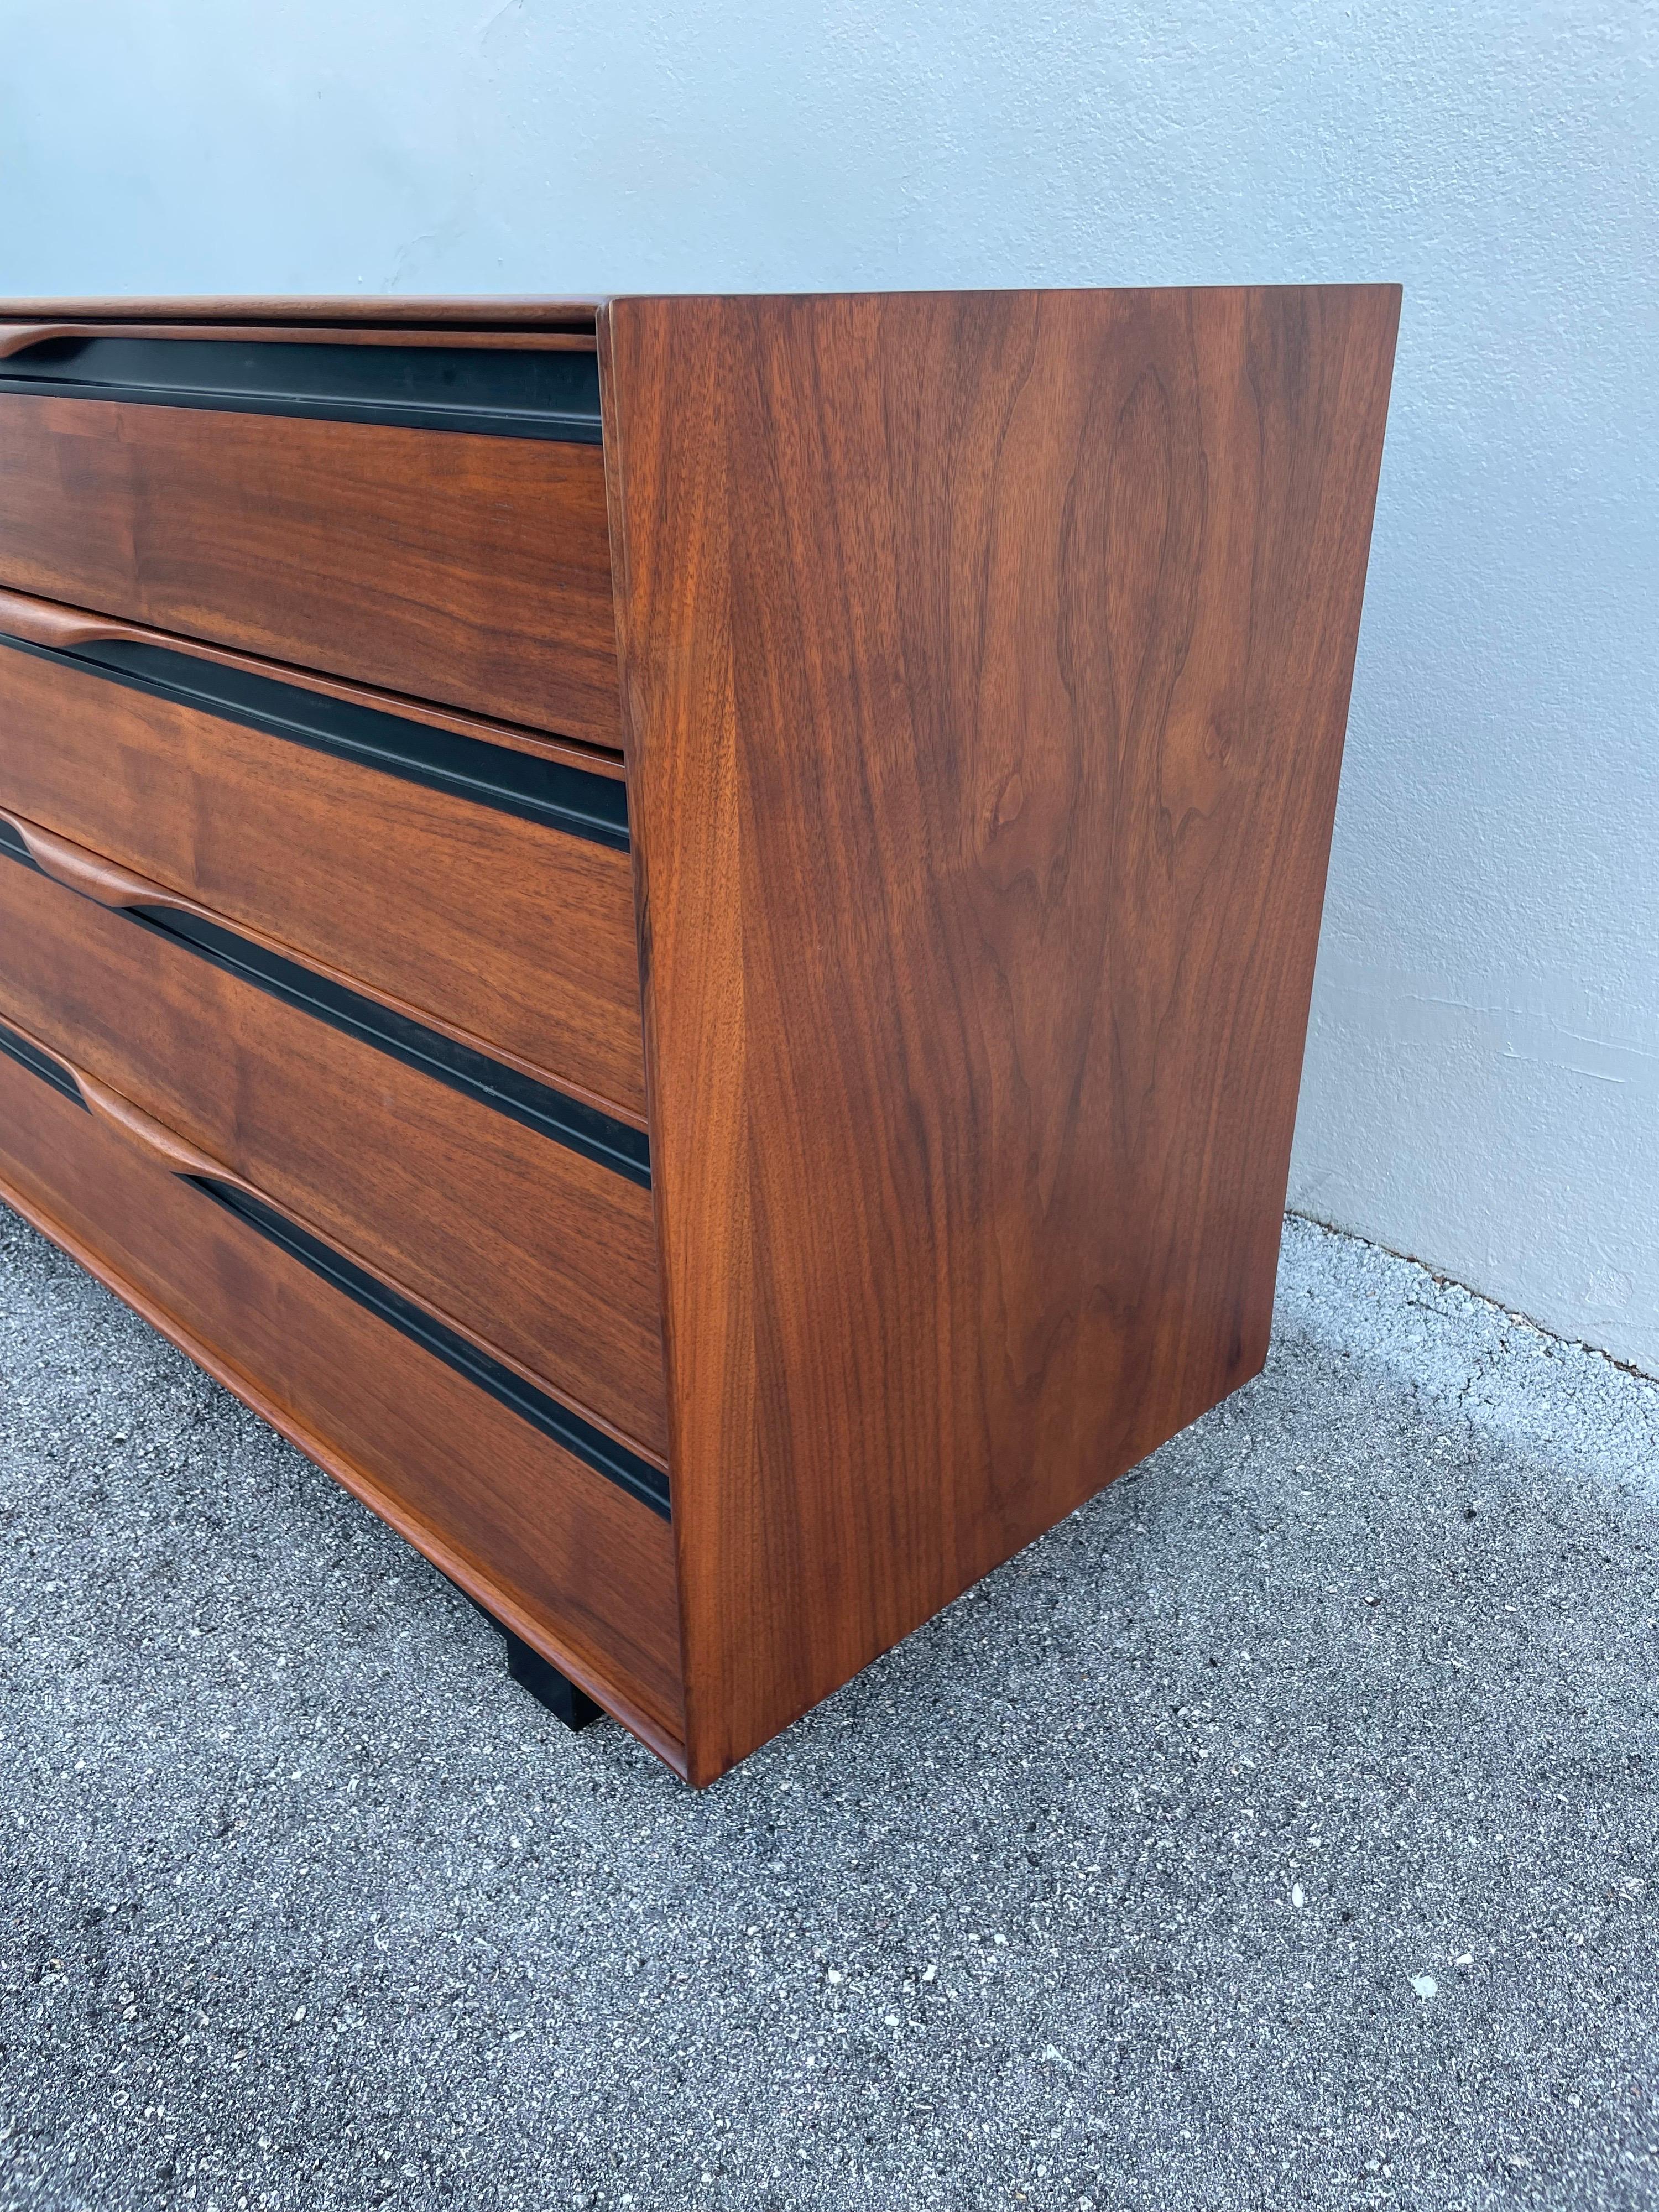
[484,888]
[563,1554]
[519,1218]
[426,519]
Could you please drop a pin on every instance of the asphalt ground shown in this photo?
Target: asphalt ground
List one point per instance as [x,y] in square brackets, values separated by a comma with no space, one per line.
[1281,1831]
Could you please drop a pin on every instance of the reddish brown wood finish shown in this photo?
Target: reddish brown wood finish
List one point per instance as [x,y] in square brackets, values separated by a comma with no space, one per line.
[502,931]
[554,1550]
[544,1258]
[471,570]
[986,661]
[984,664]
[59,628]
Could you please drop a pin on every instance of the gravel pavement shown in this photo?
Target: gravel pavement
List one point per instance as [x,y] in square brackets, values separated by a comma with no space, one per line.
[1280,1832]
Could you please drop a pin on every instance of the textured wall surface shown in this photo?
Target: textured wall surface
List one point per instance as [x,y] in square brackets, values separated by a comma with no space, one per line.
[1482,1088]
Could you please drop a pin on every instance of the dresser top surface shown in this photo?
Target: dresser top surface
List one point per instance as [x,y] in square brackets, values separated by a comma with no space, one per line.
[483,313]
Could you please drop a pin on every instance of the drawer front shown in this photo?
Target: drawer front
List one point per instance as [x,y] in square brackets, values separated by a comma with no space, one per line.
[347,836]
[587,1569]
[474,570]
[529,1234]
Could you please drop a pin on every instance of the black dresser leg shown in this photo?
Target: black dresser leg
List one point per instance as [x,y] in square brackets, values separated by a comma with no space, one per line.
[544,1681]
[539,1676]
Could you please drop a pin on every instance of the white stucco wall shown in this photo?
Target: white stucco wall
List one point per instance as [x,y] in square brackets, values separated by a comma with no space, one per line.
[1482,1088]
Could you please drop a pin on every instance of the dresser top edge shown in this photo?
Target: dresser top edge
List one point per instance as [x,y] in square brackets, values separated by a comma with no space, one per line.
[479,313]
[484,311]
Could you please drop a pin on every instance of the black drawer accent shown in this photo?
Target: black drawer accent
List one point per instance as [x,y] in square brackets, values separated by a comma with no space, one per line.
[13,848]
[542,790]
[41,1064]
[496,392]
[597,1136]
[580,1437]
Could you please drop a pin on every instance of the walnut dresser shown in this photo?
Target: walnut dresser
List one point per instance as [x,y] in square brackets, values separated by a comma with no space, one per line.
[678,932]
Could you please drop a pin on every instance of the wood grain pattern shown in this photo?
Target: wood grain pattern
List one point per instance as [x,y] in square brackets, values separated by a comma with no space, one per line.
[986,662]
[504,933]
[49,622]
[555,1550]
[543,1257]
[474,571]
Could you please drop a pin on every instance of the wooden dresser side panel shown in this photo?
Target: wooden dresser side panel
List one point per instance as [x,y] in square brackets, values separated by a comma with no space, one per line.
[986,663]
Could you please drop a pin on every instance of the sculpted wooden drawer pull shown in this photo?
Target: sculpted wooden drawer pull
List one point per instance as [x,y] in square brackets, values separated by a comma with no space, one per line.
[168,1151]
[178,1157]
[94,877]
[56,629]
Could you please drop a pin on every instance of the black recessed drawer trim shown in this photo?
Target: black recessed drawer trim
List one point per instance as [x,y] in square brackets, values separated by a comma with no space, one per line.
[572,800]
[539,1106]
[41,1064]
[14,849]
[578,1437]
[496,392]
